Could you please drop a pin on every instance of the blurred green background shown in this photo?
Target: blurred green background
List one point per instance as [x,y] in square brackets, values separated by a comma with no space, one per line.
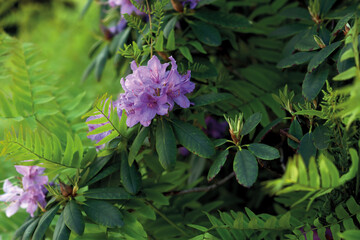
[63,38]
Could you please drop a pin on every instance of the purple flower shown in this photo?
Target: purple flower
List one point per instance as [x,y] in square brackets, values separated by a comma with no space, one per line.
[328,234]
[119,27]
[152,90]
[13,195]
[183,151]
[97,137]
[192,3]
[215,129]
[30,195]
[125,7]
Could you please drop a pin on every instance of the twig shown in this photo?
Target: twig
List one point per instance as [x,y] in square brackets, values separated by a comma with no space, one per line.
[202,189]
[289,136]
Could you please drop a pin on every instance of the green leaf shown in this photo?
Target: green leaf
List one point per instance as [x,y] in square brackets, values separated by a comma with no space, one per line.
[73,217]
[296,131]
[245,168]
[44,223]
[170,44]
[30,229]
[20,231]
[341,23]
[109,193]
[197,45]
[159,44]
[307,148]
[295,59]
[349,73]
[103,213]
[193,139]
[322,55]
[350,235]
[220,160]
[313,82]
[251,123]
[136,145]
[61,232]
[130,176]
[223,19]
[211,98]
[100,62]
[264,151]
[206,33]
[321,137]
[166,144]
[185,51]
[170,26]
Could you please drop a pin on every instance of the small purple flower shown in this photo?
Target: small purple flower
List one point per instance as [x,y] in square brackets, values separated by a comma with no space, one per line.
[97,137]
[13,195]
[30,195]
[152,90]
[125,7]
[192,3]
[183,151]
[215,129]
[118,27]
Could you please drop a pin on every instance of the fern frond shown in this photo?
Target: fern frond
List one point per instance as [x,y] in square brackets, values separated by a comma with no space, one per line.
[319,179]
[29,145]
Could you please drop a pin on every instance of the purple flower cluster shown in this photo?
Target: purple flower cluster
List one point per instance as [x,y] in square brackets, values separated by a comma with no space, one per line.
[152,90]
[192,3]
[30,195]
[125,7]
[215,129]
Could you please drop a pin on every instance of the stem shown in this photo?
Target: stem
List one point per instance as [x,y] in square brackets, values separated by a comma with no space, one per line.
[166,218]
[203,189]
[289,136]
[151,40]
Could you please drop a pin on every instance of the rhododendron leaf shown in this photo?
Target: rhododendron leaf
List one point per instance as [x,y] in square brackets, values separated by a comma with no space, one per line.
[44,223]
[130,176]
[170,26]
[61,232]
[103,213]
[137,143]
[314,82]
[251,123]
[30,229]
[193,139]
[73,218]
[100,62]
[170,44]
[186,53]
[307,148]
[166,144]
[295,59]
[20,231]
[224,19]
[215,168]
[264,151]
[296,131]
[206,33]
[322,55]
[207,99]
[107,193]
[245,168]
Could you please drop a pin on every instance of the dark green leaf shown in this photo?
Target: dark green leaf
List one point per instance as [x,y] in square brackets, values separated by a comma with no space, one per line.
[296,13]
[264,151]
[61,232]
[20,231]
[166,144]
[223,19]
[193,139]
[217,164]
[206,33]
[103,213]
[73,217]
[305,40]
[295,59]
[321,137]
[341,24]
[44,223]
[266,129]
[307,148]
[100,62]
[288,30]
[207,99]
[130,176]
[251,123]
[30,229]
[322,55]
[344,65]
[245,168]
[94,168]
[185,51]
[107,193]
[296,131]
[170,26]
[314,81]
[136,145]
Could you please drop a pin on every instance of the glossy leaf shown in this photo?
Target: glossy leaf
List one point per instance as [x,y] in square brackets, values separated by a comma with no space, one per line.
[137,143]
[44,223]
[130,176]
[107,193]
[206,33]
[264,151]
[322,55]
[295,59]
[245,168]
[314,82]
[61,232]
[30,230]
[73,217]
[211,98]
[103,213]
[217,164]
[251,123]
[166,144]
[193,139]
